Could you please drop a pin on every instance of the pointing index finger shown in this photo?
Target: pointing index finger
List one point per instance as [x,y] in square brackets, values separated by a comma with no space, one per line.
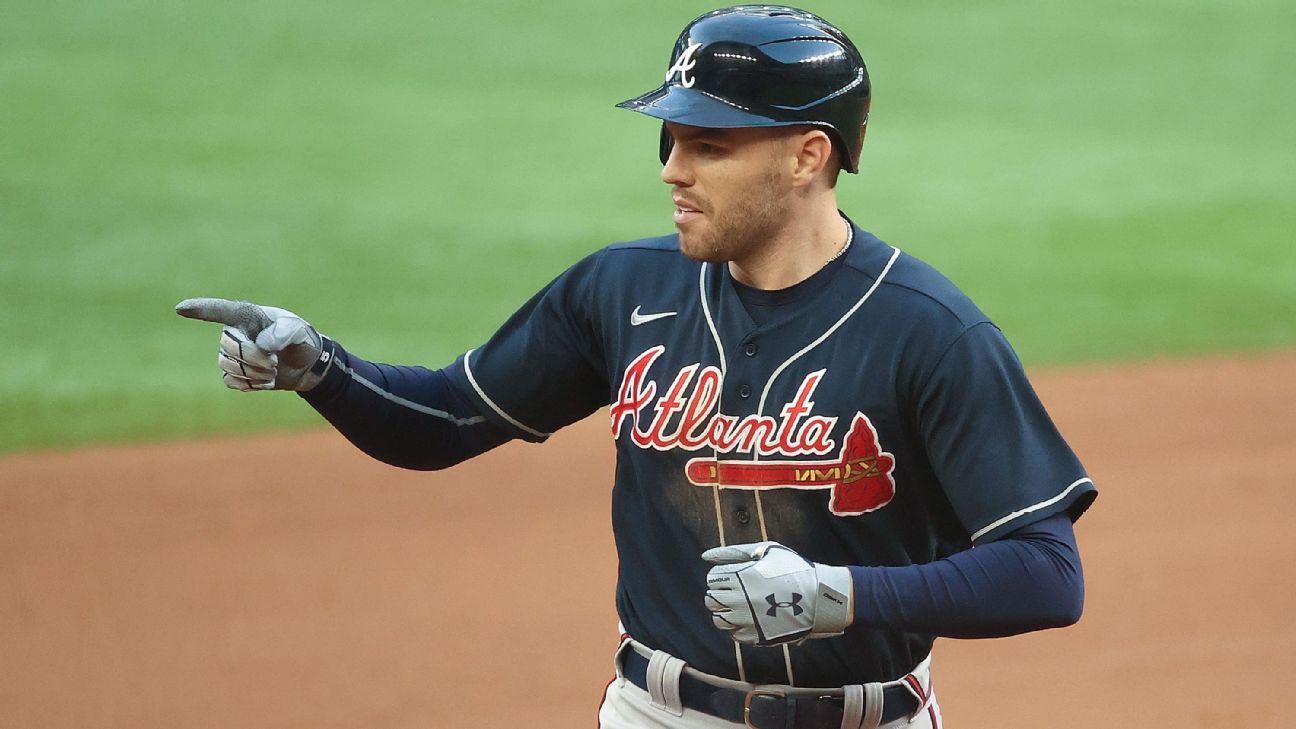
[242,315]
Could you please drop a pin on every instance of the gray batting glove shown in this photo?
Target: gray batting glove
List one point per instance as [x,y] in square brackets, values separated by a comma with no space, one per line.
[263,347]
[767,594]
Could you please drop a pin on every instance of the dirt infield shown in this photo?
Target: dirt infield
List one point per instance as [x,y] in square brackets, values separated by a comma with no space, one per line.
[292,582]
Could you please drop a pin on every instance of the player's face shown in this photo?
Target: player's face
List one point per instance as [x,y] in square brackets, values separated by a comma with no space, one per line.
[730,188]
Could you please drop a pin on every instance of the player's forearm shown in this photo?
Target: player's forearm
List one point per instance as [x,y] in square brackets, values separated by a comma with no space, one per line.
[1030,580]
[410,417]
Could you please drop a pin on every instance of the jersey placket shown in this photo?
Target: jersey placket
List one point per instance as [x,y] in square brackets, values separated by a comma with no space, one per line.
[746,374]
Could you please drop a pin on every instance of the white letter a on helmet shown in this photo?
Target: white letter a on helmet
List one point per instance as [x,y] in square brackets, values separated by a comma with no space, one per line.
[684,64]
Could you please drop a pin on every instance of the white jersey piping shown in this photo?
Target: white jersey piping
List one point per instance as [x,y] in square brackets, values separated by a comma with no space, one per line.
[498,410]
[1035,507]
[851,312]
[706,311]
[760,507]
[715,490]
[760,409]
[443,415]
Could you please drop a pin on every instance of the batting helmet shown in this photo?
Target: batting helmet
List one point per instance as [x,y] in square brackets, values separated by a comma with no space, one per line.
[764,66]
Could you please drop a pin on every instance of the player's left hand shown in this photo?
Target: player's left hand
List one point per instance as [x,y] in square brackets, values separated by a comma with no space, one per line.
[767,594]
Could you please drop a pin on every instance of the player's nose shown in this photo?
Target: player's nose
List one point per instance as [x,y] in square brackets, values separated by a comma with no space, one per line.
[675,171]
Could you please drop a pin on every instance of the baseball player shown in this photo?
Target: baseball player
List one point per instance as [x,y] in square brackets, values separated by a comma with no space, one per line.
[813,429]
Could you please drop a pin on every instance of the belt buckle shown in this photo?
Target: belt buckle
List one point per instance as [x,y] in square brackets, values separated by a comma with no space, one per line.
[757,693]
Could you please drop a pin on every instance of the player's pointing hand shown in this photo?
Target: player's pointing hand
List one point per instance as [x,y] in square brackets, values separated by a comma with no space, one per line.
[263,347]
[766,594]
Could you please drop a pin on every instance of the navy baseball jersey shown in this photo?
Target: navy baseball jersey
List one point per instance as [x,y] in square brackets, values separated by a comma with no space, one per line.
[869,415]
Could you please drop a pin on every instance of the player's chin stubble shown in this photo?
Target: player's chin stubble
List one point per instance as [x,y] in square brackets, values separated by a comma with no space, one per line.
[741,227]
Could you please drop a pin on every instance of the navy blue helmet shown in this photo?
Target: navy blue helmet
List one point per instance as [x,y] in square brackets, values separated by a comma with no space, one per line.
[764,66]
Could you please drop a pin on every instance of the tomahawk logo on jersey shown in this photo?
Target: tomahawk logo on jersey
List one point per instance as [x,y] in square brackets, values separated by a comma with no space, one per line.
[846,421]
[686,417]
[777,439]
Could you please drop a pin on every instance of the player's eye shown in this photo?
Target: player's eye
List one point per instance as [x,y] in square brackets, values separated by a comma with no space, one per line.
[708,149]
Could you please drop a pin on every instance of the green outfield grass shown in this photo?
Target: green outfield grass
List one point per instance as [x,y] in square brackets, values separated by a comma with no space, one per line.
[1109,180]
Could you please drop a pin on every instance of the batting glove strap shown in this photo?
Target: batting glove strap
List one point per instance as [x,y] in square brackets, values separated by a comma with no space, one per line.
[834,607]
[322,366]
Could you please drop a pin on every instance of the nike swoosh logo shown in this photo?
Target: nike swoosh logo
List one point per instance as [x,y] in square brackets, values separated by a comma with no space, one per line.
[636,318]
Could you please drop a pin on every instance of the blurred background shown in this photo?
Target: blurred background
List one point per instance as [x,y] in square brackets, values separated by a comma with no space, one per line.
[1113,182]
[1108,180]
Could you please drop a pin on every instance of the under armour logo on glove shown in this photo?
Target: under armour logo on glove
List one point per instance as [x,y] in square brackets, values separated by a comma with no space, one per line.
[775,605]
[821,595]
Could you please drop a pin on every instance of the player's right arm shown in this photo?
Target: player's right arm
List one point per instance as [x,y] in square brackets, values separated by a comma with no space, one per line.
[541,371]
[411,417]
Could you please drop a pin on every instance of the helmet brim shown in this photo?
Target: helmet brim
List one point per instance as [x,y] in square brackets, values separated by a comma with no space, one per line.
[675,103]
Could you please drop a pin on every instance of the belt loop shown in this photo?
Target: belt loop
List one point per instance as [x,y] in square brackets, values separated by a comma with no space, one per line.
[618,659]
[663,682]
[873,700]
[853,709]
[923,694]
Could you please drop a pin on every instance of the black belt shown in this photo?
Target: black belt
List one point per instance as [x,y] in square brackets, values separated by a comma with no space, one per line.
[766,707]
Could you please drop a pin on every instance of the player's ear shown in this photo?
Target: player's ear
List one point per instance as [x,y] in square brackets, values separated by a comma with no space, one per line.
[814,152]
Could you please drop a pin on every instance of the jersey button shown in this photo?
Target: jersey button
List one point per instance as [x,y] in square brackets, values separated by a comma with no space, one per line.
[744,391]
[742,516]
[751,349]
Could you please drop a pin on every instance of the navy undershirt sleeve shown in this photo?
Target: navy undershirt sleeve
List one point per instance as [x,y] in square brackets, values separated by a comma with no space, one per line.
[1030,579]
[410,417]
